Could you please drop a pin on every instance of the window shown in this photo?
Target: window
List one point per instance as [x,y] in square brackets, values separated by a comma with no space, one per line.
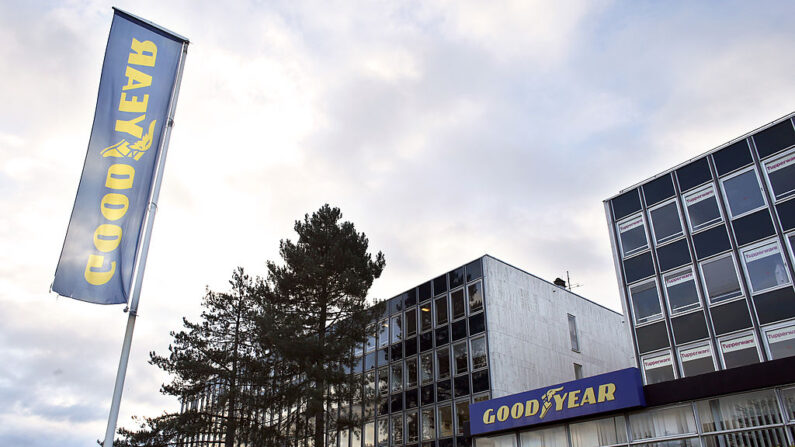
[681,290]
[369,434]
[545,437]
[658,368]
[369,345]
[606,431]
[578,371]
[383,381]
[426,368]
[383,432]
[383,333]
[412,427]
[781,341]
[397,329]
[397,429]
[696,360]
[396,370]
[461,416]
[479,353]
[661,422]
[765,267]
[426,317]
[459,306]
[445,421]
[743,193]
[575,342]
[443,363]
[781,176]
[411,322]
[702,208]
[645,302]
[441,310]
[460,358]
[411,373]
[739,350]
[720,279]
[632,235]
[665,222]
[497,441]
[428,424]
[739,411]
[475,297]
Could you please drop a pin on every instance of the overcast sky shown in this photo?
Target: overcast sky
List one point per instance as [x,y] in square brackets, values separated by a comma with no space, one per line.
[443,130]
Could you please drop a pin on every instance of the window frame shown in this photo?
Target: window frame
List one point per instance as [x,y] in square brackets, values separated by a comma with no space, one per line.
[679,272]
[697,191]
[575,336]
[707,298]
[758,245]
[383,328]
[652,318]
[655,355]
[703,343]
[790,245]
[442,297]
[406,374]
[420,312]
[453,318]
[736,336]
[448,405]
[407,335]
[393,337]
[772,327]
[471,353]
[467,299]
[437,364]
[776,158]
[455,372]
[627,220]
[678,216]
[726,201]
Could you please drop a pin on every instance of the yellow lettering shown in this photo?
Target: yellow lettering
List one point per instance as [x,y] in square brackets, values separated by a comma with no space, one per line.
[530,407]
[488,417]
[136,79]
[133,104]
[607,391]
[131,126]
[516,410]
[143,53]
[114,206]
[96,273]
[120,176]
[107,237]
[588,397]
[502,413]
[573,399]
[559,400]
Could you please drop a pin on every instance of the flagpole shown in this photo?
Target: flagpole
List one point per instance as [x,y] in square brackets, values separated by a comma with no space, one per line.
[143,250]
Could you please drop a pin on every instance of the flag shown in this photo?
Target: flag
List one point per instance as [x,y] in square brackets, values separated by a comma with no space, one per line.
[139,76]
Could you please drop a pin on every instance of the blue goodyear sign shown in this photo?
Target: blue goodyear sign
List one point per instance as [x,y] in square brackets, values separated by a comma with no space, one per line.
[138,77]
[605,392]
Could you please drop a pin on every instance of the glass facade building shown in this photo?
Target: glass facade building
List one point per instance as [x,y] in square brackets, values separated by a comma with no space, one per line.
[704,257]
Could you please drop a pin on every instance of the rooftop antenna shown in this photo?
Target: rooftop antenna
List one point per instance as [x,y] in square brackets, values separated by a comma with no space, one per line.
[568,282]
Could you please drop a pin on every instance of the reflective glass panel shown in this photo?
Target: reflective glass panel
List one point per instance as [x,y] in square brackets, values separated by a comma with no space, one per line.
[720,279]
[781,341]
[607,431]
[739,351]
[662,422]
[743,193]
[765,267]
[666,224]
[426,368]
[441,310]
[645,302]
[479,353]
[396,370]
[461,415]
[475,297]
[443,363]
[445,421]
[459,307]
[702,208]
[632,236]
[547,437]
[681,290]
[460,358]
[781,175]
[397,329]
[428,424]
[739,411]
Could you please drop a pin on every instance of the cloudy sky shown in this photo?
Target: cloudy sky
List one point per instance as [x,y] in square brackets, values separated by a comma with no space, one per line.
[444,130]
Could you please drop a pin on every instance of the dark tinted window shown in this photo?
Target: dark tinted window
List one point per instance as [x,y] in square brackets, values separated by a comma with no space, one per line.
[775,138]
[444,390]
[689,327]
[694,174]
[781,174]
[673,255]
[626,204]
[459,329]
[702,208]
[424,292]
[786,214]
[477,324]
[730,317]
[369,361]
[426,341]
[456,277]
[410,346]
[382,356]
[440,285]
[442,335]
[775,305]
[710,242]
[397,402]
[480,381]
[652,337]
[474,270]
[428,392]
[396,351]
[666,223]
[658,190]
[753,227]
[638,267]
[411,398]
[732,157]
[396,304]
[411,298]
[461,386]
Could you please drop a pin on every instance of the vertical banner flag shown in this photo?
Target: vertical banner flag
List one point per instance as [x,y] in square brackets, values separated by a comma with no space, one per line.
[139,76]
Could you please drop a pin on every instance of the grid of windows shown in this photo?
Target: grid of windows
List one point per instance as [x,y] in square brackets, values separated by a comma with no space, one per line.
[704,254]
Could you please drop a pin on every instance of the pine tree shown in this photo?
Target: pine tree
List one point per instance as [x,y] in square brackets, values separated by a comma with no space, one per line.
[315,312]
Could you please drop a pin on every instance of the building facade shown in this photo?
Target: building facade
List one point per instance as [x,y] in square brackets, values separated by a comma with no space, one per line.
[704,257]
[483,330]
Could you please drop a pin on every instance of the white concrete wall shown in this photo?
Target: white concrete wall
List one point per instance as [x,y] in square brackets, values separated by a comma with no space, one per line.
[528,332]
